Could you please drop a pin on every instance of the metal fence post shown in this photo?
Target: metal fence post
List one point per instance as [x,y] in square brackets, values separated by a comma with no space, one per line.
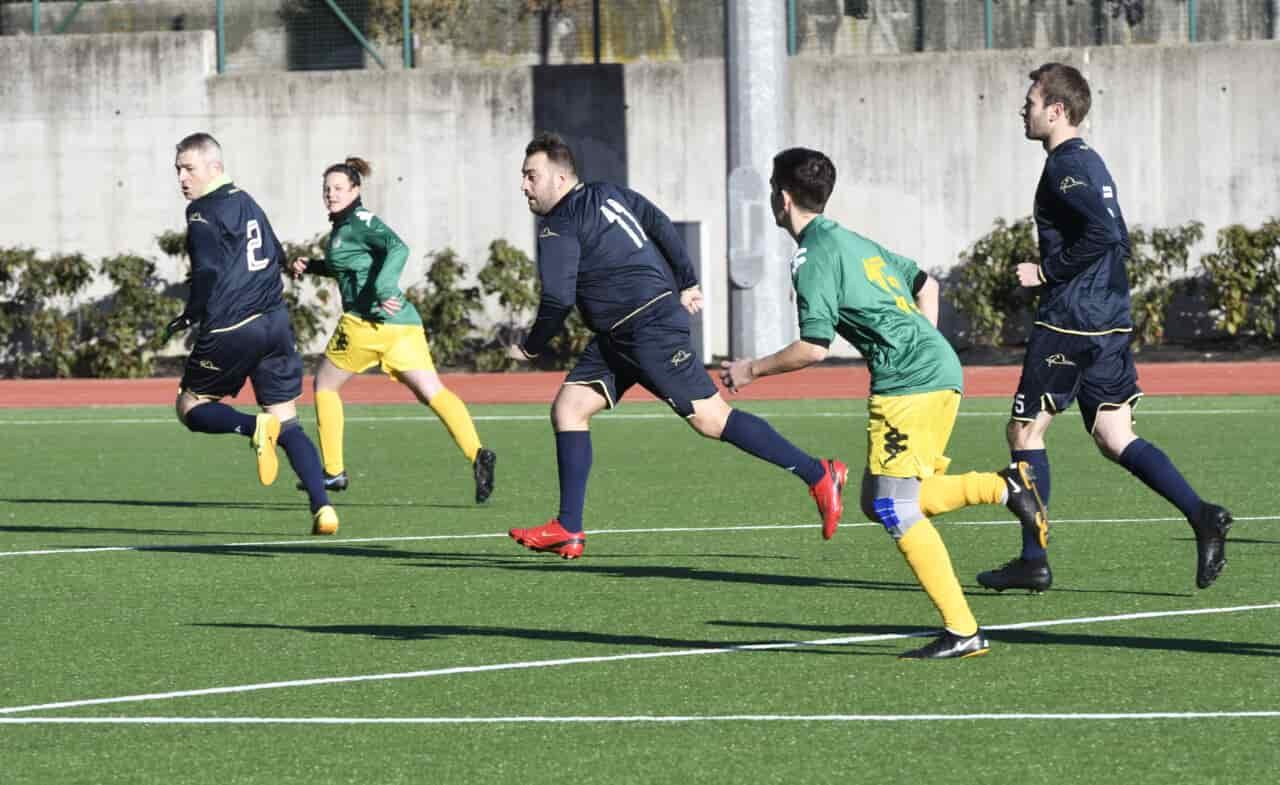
[355,31]
[1191,21]
[221,36]
[406,32]
[793,35]
[987,32]
[35,17]
[67,20]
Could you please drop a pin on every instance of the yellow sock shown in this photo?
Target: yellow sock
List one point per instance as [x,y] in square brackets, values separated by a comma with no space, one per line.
[453,413]
[944,493]
[330,421]
[929,560]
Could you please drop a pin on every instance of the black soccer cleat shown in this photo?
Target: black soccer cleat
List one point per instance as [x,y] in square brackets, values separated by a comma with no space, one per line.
[1035,576]
[483,466]
[1024,500]
[948,646]
[1211,525]
[332,482]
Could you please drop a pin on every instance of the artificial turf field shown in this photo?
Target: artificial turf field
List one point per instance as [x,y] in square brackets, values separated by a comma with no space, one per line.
[202,636]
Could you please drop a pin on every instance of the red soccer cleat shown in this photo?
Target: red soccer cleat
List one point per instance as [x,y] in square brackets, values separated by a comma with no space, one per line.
[551,537]
[827,494]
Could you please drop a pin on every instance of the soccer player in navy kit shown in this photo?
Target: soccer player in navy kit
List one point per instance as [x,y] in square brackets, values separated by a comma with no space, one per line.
[244,332]
[616,256]
[1079,346]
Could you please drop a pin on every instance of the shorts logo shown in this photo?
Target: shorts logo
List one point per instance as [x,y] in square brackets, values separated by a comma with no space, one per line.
[1070,182]
[680,357]
[1057,359]
[208,366]
[339,342]
[895,443]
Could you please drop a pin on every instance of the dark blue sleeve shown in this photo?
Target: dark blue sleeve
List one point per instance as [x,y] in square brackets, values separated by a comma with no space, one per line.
[658,226]
[205,252]
[1081,196]
[559,253]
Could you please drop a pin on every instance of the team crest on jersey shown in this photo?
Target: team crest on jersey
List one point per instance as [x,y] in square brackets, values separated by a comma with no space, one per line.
[196,218]
[798,259]
[337,242]
[365,215]
[1070,182]
[546,232]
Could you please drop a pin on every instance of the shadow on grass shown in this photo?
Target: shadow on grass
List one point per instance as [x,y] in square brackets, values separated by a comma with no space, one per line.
[238,504]
[1035,638]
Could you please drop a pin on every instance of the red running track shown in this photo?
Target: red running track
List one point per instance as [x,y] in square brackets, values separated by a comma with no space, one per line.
[848,381]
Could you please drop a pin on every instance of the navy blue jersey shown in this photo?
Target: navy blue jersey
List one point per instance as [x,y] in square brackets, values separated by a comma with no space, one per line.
[1083,244]
[235,259]
[609,251]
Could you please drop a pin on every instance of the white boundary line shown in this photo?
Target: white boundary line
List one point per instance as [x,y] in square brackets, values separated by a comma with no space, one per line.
[853,413]
[639,718]
[315,542]
[647,655]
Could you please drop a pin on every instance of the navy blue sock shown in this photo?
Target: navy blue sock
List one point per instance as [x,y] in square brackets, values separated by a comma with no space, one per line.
[753,435]
[305,461]
[1148,463]
[573,457]
[217,417]
[1039,461]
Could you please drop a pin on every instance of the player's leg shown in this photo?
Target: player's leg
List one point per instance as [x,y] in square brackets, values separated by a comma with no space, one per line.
[277,383]
[216,368]
[1106,400]
[331,422]
[430,391]
[591,387]
[894,502]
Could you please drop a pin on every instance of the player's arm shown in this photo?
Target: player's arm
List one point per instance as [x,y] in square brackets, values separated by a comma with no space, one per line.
[1101,229]
[924,289]
[663,232]
[818,308]
[206,254]
[559,254]
[394,253]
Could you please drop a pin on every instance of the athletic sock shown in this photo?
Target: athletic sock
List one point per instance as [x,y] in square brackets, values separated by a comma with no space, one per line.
[1032,550]
[573,457]
[929,560]
[943,493]
[453,413]
[331,422]
[1148,463]
[753,435]
[215,417]
[305,461]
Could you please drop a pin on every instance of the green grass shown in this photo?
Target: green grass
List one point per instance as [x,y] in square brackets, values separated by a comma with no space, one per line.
[221,586]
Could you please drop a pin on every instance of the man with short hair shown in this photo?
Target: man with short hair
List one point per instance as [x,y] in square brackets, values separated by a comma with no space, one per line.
[887,307]
[1079,345]
[617,257]
[244,332]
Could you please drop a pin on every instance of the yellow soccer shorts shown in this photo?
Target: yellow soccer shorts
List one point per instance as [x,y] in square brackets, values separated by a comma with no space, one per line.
[358,345]
[907,435]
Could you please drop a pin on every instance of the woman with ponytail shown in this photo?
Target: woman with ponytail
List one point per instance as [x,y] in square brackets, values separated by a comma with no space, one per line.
[378,326]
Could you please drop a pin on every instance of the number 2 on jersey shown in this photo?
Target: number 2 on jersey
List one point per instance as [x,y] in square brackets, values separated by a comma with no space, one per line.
[254,235]
[616,215]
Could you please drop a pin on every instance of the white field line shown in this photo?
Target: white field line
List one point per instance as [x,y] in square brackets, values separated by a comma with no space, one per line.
[638,718]
[859,413]
[647,655]
[315,542]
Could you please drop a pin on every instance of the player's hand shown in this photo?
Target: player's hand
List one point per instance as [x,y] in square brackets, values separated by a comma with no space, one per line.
[736,374]
[299,266]
[1028,274]
[392,305]
[514,352]
[180,324]
[691,299]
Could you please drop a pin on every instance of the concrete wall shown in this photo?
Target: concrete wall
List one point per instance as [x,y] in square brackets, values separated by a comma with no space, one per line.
[929,147]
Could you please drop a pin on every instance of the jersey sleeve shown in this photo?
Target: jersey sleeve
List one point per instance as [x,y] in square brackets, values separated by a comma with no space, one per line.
[394,253]
[559,253]
[205,251]
[817,295]
[663,232]
[1082,197]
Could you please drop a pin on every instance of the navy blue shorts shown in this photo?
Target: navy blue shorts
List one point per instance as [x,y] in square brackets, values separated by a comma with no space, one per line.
[658,355]
[261,351]
[1061,367]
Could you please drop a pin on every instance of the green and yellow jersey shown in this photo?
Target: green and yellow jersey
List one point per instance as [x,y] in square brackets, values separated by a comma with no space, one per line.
[848,285]
[366,258]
